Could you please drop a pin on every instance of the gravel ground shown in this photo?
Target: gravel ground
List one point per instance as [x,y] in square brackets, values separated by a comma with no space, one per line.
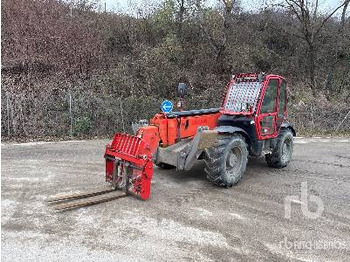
[186,218]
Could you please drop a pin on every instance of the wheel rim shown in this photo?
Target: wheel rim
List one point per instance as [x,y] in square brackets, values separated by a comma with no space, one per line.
[286,150]
[234,160]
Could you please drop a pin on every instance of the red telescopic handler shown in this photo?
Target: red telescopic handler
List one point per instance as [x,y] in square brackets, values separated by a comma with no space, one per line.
[252,120]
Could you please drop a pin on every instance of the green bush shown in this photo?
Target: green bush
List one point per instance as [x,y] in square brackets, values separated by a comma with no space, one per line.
[82,126]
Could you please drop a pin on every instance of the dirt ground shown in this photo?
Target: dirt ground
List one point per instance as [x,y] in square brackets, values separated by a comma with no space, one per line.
[186,218]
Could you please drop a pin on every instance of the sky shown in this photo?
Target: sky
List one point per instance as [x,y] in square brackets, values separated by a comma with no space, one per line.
[126,6]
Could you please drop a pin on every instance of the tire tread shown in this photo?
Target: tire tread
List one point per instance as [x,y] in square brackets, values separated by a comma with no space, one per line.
[215,158]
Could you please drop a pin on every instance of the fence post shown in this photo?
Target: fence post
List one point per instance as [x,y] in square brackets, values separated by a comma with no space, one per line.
[121,113]
[8,113]
[70,114]
[346,116]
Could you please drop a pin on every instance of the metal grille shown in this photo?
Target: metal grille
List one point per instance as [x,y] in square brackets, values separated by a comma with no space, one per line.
[126,144]
[241,94]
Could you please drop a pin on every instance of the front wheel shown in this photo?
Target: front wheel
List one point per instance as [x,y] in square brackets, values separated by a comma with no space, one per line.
[282,153]
[226,161]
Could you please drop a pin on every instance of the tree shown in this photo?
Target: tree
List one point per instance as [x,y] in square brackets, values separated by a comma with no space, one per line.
[311,25]
[339,49]
[219,44]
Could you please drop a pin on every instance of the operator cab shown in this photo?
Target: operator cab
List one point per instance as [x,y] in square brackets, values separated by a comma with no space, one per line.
[257,99]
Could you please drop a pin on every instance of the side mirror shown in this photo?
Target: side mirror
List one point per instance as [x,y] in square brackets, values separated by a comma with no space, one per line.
[181,90]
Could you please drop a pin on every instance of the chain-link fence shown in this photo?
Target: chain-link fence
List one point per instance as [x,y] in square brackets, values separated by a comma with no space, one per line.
[62,114]
[318,119]
[88,114]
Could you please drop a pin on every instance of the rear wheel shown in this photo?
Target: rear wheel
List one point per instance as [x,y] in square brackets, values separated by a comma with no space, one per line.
[282,153]
[226,161]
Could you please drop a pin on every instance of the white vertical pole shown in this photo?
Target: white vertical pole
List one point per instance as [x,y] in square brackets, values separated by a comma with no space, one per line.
[70,114]
[342,121]
[8,113]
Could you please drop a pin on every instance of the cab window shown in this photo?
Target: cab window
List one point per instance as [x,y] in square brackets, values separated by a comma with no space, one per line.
[269,102]
[282,99]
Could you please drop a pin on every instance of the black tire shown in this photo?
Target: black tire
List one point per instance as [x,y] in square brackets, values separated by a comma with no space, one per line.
[164,166]
[282,153]
[226,161]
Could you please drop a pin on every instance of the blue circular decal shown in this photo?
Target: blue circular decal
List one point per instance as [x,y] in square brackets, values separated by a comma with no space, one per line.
[166,106]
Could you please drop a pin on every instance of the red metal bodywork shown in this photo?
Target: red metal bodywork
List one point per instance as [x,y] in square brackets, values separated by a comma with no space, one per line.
[133,154]
[259,117]
[172,129]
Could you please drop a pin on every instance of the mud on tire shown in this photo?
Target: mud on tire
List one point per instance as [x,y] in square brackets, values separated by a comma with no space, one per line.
[226,161]
[282,153]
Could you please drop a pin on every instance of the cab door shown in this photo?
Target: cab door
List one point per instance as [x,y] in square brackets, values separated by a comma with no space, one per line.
[268,110]
[282,104]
